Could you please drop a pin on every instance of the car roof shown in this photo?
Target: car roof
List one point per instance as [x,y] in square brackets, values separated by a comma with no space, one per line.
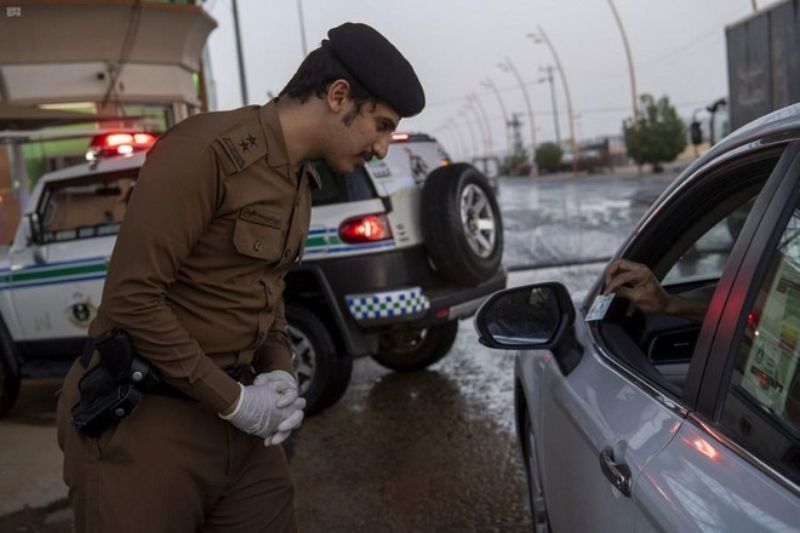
[99,166]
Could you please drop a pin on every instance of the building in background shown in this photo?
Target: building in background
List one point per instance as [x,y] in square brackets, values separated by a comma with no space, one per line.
[118,58]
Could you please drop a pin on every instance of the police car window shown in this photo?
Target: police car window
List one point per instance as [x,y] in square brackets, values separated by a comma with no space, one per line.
[706,257]
[85,208]
[762,407]
[336,189]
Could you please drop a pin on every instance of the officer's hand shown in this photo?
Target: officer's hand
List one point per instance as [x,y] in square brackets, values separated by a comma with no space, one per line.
[262,407]
[637,283]
[295,418]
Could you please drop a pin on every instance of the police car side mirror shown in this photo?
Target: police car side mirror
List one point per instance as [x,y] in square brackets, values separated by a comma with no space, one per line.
[33,236]
[533,317]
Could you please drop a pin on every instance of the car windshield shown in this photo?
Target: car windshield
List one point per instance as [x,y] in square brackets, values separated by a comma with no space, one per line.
[88,207]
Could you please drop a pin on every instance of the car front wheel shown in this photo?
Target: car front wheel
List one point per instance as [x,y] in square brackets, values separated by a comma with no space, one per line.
[411,349]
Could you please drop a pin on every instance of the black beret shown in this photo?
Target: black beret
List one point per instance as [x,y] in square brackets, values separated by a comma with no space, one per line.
[378,66]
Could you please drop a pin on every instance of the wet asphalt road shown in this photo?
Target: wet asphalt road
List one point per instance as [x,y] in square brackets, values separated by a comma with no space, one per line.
[436,450]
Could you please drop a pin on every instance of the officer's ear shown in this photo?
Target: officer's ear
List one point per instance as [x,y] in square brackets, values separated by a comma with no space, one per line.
[337,95]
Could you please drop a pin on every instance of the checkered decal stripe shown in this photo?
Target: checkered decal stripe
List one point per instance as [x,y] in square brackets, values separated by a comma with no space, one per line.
[404,302]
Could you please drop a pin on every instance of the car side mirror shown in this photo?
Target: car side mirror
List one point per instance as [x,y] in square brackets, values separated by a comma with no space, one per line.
[533,317]
[32,229]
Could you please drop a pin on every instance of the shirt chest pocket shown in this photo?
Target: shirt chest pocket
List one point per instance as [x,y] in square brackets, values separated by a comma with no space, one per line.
[260,233]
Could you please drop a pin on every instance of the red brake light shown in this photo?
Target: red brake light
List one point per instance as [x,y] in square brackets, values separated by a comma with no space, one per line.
[121,143]
[399,137]
[368,228]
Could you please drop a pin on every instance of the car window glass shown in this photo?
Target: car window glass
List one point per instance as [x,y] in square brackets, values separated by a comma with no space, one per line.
[686,244]
[91,207]
[706,257]
[337,189]
[762,407]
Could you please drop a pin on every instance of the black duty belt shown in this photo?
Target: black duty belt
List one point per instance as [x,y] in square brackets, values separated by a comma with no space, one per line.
[164,389]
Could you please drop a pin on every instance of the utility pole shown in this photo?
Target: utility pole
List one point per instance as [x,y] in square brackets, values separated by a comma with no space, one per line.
[508,66]
[239,56]
[302,27]
[549,78]
[541,37]
[755,6]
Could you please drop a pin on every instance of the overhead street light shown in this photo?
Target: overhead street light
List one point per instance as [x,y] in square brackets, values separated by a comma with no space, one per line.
[630,63]
[482,112]
[484,137]
[471,135]
[488,83]
[461,143]
[444,128]
[549,79]
[541,38]
[508,66]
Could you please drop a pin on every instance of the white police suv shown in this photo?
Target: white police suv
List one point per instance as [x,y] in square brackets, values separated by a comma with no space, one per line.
[397,253]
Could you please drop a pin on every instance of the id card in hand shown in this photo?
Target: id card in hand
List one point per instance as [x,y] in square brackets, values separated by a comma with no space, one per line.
[599,307]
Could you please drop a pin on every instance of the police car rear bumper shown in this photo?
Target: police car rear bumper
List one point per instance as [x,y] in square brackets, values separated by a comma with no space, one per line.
[418,308]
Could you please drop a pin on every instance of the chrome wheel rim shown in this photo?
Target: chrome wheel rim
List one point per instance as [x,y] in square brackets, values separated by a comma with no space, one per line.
[305,358]
[478,221]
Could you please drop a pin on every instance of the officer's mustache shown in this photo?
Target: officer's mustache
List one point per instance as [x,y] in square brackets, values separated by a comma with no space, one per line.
[367,156]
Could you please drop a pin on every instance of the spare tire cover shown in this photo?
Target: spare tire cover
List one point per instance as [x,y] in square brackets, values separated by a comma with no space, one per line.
[461,224]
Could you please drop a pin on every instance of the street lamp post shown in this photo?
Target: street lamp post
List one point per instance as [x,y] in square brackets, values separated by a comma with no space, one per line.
[471,135]
[541,37]
[490,84]
[481,129]
[630,63]
[302,27]
[508,66]
[549,79]
[239,55]
[482,112]
[462,145]
[445,129]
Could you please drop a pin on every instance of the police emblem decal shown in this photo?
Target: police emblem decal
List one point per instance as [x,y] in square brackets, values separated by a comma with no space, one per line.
[80,310]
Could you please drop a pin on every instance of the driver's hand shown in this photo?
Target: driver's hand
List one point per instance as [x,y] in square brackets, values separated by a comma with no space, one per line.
[636,282]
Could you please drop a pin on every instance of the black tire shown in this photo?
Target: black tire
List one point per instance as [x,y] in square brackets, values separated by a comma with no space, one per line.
[460,250]
[9,373]
[323,371]
[409,350]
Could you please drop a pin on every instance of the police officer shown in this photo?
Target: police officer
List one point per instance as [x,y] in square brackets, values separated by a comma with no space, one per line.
[220,212]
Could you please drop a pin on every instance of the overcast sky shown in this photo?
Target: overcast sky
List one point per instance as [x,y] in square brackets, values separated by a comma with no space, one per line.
[678,50]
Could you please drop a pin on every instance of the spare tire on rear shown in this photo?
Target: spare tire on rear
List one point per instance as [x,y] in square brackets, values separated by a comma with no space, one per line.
[461,224]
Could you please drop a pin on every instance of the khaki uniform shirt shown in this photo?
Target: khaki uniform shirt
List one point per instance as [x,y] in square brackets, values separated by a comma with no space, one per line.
[196,278]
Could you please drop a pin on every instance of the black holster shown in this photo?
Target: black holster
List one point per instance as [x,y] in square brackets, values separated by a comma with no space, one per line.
[111,390]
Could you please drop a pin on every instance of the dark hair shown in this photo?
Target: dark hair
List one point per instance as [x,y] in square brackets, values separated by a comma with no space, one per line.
[318,70]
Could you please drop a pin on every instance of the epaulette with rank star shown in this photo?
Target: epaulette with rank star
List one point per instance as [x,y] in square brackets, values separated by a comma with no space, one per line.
[241,146]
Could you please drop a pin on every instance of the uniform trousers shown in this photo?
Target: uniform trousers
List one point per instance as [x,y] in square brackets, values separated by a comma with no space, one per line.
[172,466]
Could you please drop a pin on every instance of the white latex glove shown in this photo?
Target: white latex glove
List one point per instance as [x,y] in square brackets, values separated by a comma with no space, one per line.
[291,422]
[262,407]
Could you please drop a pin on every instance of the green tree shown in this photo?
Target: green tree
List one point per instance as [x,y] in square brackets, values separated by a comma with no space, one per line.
[548,157]
[660,135]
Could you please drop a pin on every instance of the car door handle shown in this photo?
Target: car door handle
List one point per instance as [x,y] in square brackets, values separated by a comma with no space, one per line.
[617,473]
